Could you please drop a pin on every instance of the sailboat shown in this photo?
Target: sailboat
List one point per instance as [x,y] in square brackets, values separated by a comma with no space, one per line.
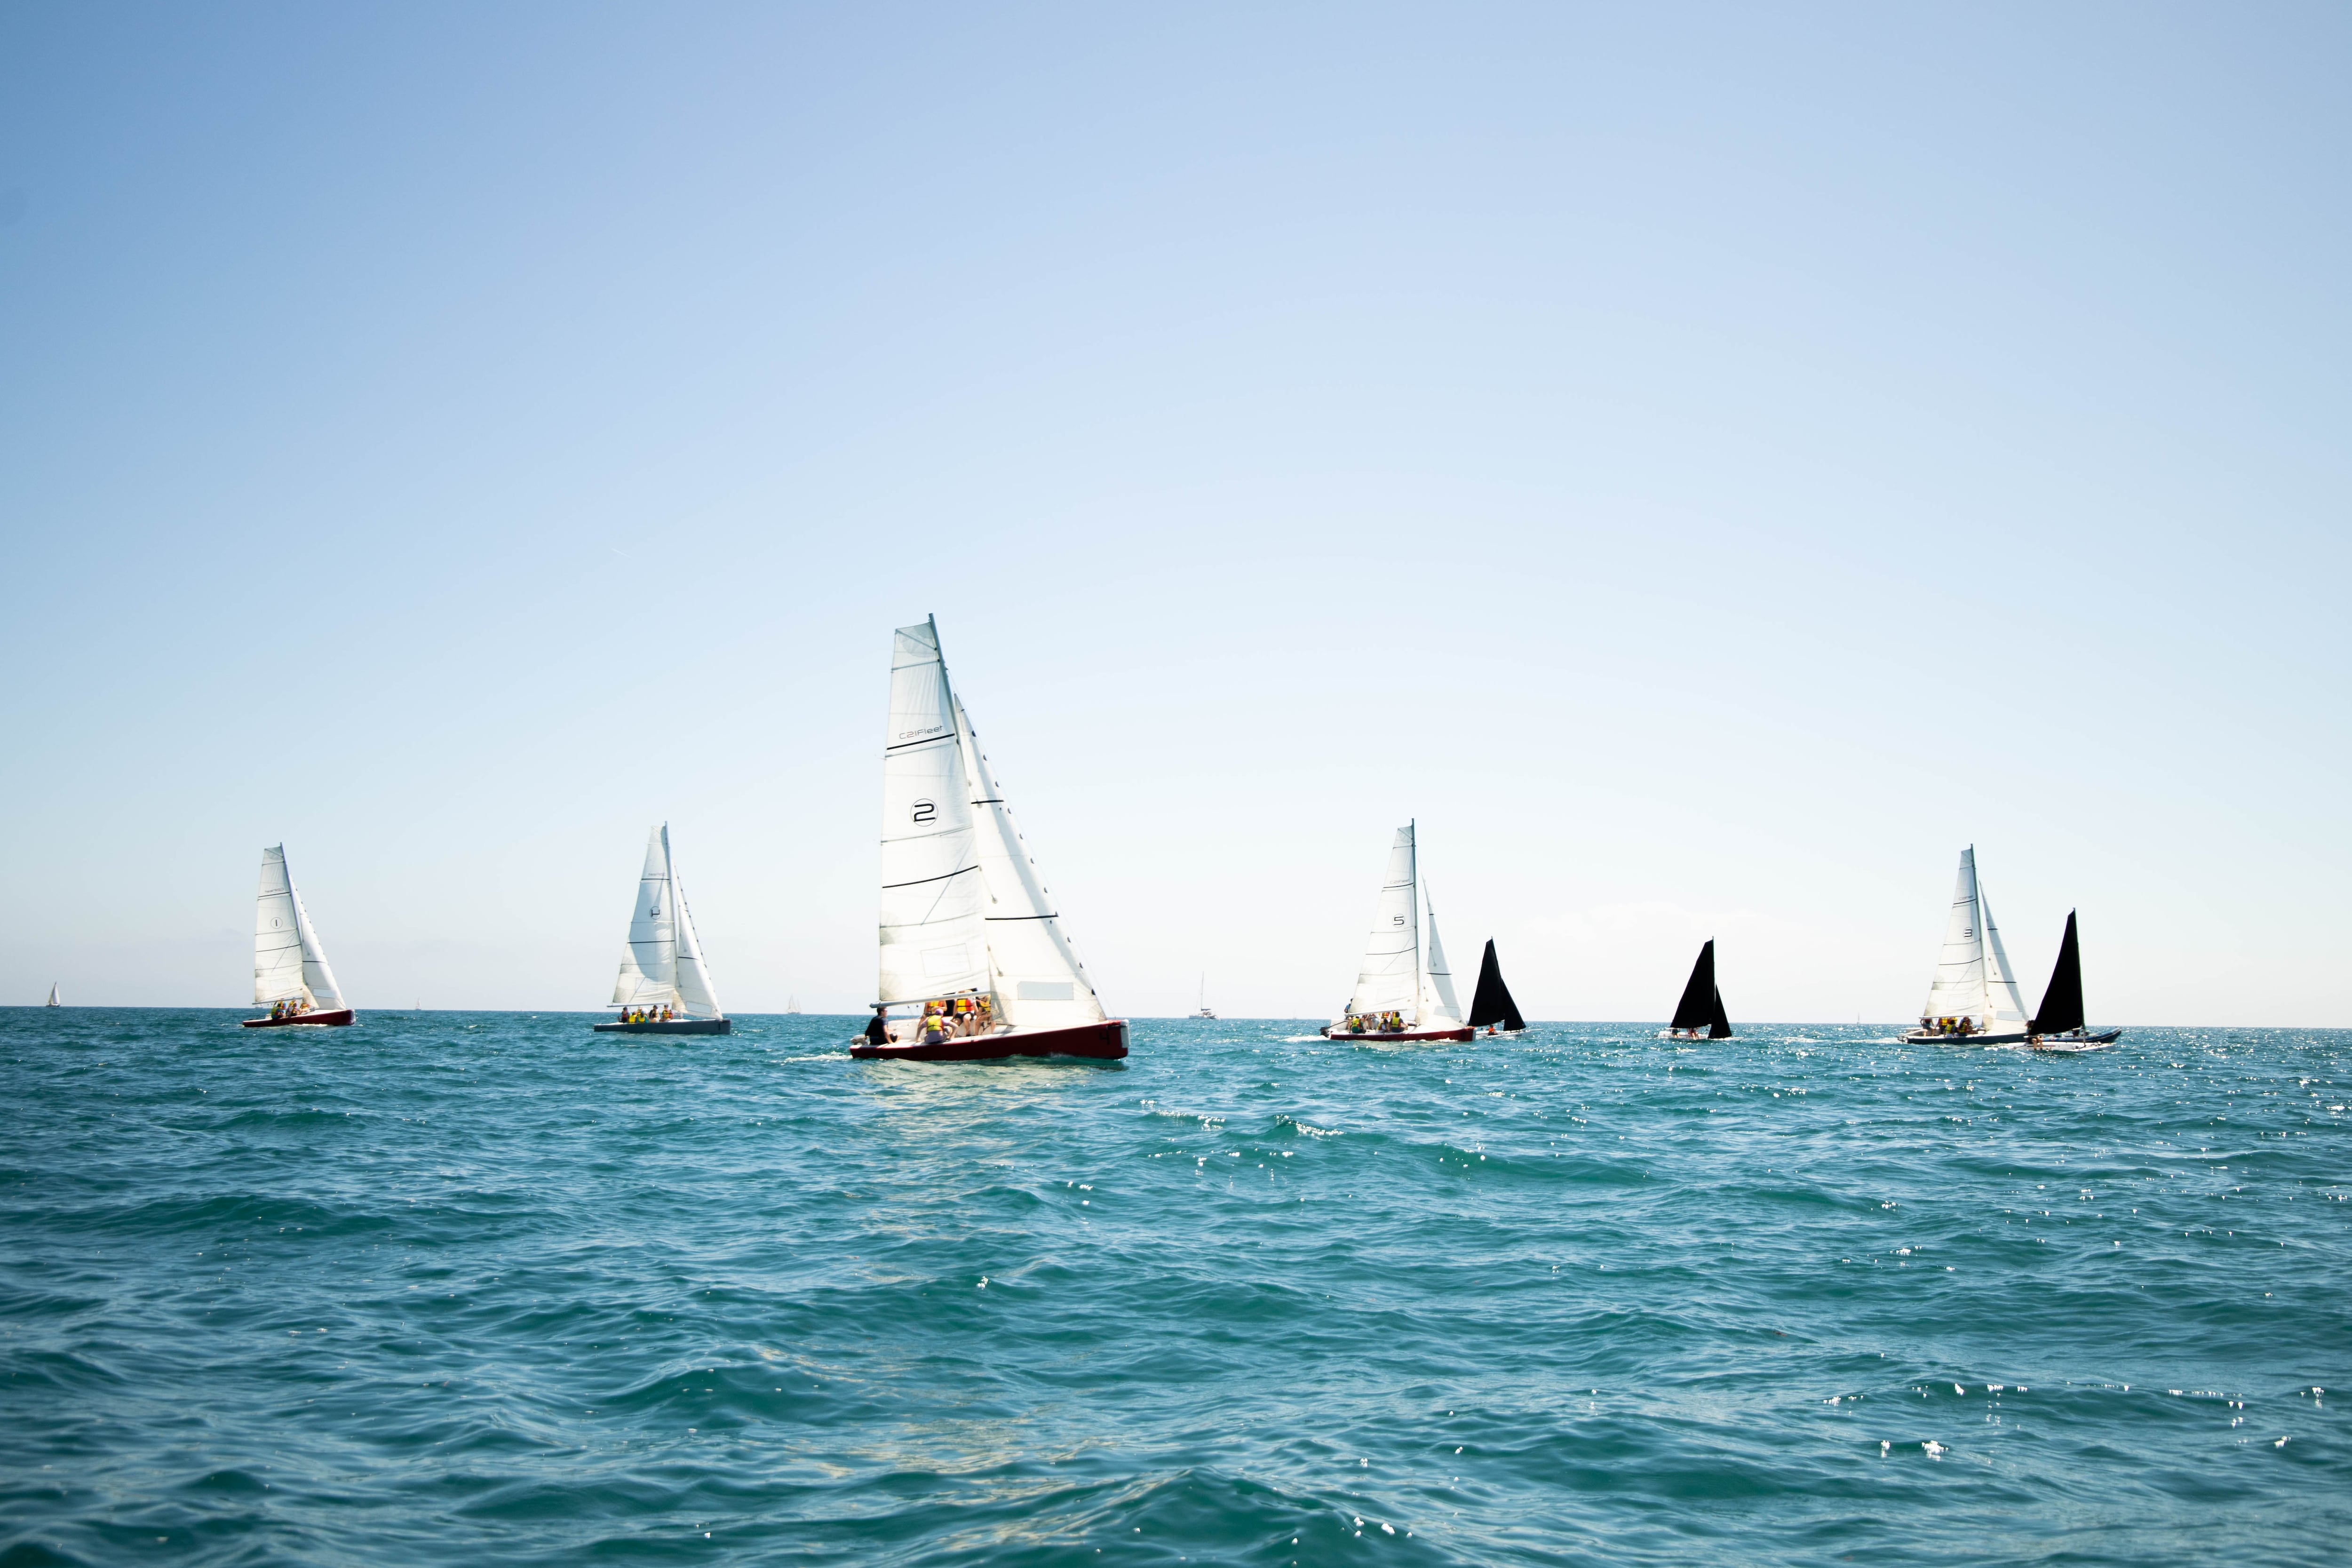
[1973,999]
[1404,990]
[662,973]
[1491,1007]
[792,1003]
[1699,1014]
[1206,1011]
[2057,1024]
[289,965]
[53,1000]
[974,959]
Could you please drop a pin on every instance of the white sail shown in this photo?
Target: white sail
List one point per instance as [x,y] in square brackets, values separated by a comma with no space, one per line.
[934,898]
[277,935]
[317,978]
[2005,1006]
[53,1000]
[648,976]
[1389,979]
[696,999]
[1438,1006]
[1973,979]
[1039,982]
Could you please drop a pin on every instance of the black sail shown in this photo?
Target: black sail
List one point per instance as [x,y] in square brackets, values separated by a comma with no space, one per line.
[1719,1028]
[1493,1002]
[2062,1004]
[1697,1008]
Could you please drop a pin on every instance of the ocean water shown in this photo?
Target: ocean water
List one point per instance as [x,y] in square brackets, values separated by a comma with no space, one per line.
[490,1289]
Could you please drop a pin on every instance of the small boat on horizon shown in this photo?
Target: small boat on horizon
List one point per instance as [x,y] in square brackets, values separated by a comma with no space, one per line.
[1973,999]
[1404,990]
[2057,1024]
[1205,1010]
[290,975]
[53,1000]
[1491,1007]
[973,950]
[1699,1015]
[662,973]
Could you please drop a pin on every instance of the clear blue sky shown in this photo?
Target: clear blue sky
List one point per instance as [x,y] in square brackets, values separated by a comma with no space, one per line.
[1706,464]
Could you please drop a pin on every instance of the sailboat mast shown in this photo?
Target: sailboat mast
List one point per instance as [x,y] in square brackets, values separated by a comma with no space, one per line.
[1415,851]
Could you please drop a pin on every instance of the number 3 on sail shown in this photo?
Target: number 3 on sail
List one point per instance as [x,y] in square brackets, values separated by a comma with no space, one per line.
[975,964]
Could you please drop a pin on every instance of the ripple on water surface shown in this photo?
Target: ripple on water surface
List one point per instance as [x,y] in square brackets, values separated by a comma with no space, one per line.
[492,1289]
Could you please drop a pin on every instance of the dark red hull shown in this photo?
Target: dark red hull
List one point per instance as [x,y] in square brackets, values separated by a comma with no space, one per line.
[1463,1033]
[1102,1042]
[339,1016]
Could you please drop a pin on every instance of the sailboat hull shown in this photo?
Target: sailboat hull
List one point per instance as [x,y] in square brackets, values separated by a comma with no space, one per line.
[1105,1041]
[1385,1037]
[670,1026]
[339,1016]
[1929,1038]
[2078,1041]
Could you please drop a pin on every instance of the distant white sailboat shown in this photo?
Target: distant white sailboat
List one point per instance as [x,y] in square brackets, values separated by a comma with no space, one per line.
[973,948]
[290,974]
[1205,1011]
[792,1003]
[662,973]
[53,1000]
[1405,990]
[1973,999]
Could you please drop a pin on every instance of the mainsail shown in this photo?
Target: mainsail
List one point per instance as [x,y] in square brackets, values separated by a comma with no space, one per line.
[2062,1003]
[662,964]
[1039,982]
[1389,979]
[934,898]
[1701,1006]
[1973,980]
[290,963]
[1491,1003]
[53,1000]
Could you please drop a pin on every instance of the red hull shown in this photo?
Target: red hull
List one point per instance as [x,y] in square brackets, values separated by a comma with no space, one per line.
[339,1016]
[1462,1034]
[1102,1042]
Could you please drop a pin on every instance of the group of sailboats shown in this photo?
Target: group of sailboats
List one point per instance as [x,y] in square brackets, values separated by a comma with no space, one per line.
[975,963]
[1973,999]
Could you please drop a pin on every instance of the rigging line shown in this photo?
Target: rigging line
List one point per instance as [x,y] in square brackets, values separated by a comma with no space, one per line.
[926,740]
[991,920]
[920,881]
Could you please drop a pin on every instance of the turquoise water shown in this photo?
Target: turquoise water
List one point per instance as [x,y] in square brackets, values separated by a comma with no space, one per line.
[489,1288]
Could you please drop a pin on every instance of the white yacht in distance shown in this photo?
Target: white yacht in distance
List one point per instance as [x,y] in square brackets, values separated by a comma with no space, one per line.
[971,943]
[53,1000]
[1405,991]
[1206,1011]
[290,963]
[662,987]
[1974,998]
